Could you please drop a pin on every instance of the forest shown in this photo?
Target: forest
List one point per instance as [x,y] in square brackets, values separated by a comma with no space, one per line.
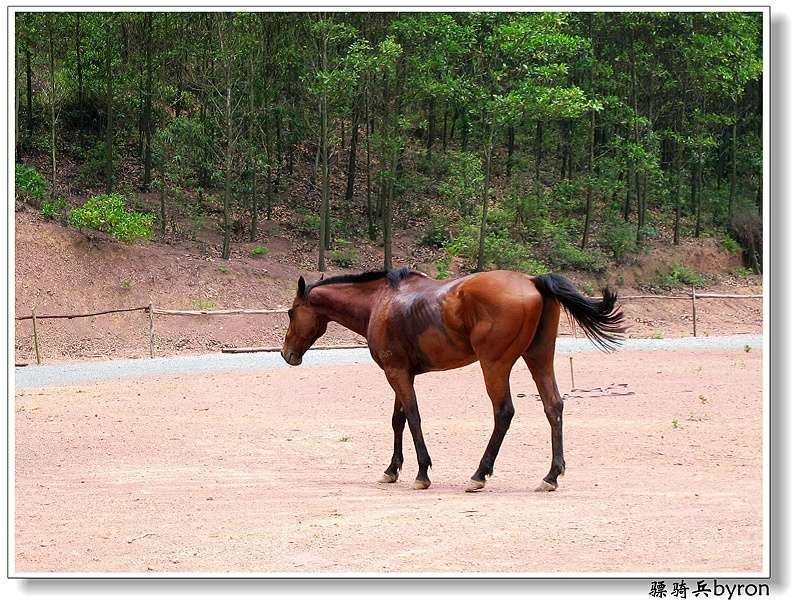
[531,141]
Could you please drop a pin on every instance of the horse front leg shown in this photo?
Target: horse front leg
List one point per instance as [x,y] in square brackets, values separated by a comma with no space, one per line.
[398,425]
[402,382]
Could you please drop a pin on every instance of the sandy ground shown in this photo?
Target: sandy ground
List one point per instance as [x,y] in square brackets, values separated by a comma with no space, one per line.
[275,471]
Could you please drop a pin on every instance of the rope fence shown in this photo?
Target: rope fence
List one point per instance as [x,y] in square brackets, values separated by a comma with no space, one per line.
[151,311]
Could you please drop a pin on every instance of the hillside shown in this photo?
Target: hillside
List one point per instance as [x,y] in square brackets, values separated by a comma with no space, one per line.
[58,270]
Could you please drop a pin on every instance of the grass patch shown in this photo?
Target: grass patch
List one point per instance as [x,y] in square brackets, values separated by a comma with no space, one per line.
[204,305]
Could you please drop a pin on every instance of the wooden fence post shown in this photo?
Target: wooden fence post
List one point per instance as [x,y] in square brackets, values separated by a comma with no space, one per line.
[571,370]
[36,339]
[694,312]
[152,332]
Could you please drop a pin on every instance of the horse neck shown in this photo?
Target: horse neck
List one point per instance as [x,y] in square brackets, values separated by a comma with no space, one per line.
[349,304]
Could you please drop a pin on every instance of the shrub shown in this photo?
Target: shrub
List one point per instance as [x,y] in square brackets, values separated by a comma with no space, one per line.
[28,184]
[500,247]
[54,208]
[107,213]
[435,234]
[345,256]
[307,223]
[731,245]
[619,238]
[258,251]
[443,268]
[464,182]
[93,169]
[676,275]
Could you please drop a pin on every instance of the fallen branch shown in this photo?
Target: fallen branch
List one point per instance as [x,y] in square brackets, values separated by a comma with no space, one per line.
[232,311]
[94,314]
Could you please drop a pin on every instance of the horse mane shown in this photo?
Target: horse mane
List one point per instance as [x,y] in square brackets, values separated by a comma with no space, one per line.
[393,277]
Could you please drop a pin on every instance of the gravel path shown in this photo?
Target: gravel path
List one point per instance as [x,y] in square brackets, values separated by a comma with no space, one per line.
[34,376]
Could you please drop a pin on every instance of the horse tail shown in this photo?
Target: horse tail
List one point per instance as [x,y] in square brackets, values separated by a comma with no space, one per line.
[601,320]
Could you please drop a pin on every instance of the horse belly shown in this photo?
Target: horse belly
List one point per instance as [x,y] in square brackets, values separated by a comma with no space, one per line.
[440,352]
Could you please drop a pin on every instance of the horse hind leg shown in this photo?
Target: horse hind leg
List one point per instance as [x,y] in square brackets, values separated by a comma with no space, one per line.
[539,359]
[496,379]
[553,408]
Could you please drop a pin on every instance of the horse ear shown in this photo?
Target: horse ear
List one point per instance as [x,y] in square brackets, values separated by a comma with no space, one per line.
[301,286]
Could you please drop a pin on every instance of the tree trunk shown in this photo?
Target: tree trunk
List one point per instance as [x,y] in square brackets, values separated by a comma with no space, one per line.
[29,91]
[639,207]
[370,125]
[229,143]
[79,63]
[51,56]
[278,144]
[109,109]
[148,105]
[445,121]
[17,139]
[251,147]
[485,202]
[387,224]
[510,151]
[592,125]
[696,200]
[539,149]
[323,151]
[589,185]
[351,161]
[733,191]
[431,128]
[626,212]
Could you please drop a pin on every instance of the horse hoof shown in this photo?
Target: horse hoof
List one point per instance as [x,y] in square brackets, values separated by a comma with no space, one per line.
[546,487]
[421,485]
[474,485]
[387,478]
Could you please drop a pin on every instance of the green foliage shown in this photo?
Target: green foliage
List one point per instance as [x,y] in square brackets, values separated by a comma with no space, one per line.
[443,268]
[93,168]
[54,209]
[665,89]
[462,186]
[674,276]
[619,238]
[731,245]
[306,223]
[108,213]
[501,249]
[28,184]
[435,234]
[345,255]
[258,251]
[204,305]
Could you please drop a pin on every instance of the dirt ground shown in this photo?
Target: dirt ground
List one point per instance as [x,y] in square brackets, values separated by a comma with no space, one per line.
[276,471]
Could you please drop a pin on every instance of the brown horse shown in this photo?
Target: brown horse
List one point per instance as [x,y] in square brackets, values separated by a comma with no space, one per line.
[414,324]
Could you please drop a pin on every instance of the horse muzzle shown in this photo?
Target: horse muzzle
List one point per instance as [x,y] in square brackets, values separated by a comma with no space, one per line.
[293,358]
